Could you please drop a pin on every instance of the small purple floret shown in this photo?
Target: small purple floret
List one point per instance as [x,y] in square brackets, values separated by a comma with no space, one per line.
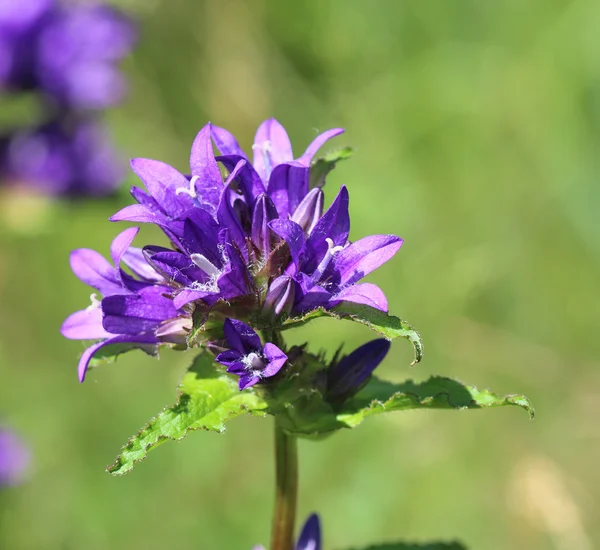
[248,358]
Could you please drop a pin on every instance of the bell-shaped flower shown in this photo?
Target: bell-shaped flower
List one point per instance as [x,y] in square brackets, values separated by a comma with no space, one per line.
[247,357]
[133,309]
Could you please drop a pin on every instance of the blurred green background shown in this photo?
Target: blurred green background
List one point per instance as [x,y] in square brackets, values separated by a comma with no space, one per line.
[477,132]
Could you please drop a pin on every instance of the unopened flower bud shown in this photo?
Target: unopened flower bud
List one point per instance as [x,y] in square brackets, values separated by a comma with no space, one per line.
[310,210]
[348,376]
[262,236]
[280,297]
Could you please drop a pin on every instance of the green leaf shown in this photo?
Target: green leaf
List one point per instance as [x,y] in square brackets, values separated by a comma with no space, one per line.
[310,416]
[323,165]
[207,399]
[379,396]
[378,321]
[418,546]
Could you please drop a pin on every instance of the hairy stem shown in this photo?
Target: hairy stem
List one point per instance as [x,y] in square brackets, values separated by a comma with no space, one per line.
[286,473]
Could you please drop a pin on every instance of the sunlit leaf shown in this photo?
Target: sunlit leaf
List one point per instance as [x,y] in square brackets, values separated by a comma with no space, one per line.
[323,165]
[208,398]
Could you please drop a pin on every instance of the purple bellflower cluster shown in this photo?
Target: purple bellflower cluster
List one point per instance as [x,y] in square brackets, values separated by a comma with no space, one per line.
[249,250]
[66,55]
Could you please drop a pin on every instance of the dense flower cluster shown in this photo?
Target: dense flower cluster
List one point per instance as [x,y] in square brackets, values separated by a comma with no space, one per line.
[253,248]
[65,53]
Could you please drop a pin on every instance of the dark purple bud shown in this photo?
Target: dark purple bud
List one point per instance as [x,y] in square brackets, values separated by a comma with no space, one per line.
[310,537]
[349,375]
[262,236]
[280,297]
[310,210]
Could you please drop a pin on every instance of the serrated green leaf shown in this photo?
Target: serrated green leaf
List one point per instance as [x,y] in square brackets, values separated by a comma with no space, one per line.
[323,165]
[388,326]
[379,396]
[310,416]
[208,398]
[418,546]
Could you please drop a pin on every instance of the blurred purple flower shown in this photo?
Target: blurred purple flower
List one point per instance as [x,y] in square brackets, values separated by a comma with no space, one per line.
[65,50]
[248,358]
[60,159]
[78,47]
[14,458]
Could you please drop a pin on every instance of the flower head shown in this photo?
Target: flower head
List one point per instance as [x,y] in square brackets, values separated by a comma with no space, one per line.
[248,358]
[254,247]
[14,458]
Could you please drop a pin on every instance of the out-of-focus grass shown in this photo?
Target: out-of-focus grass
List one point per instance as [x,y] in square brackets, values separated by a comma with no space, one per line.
[477,127]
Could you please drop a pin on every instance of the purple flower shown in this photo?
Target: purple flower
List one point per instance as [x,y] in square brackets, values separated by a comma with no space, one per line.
[346,377]
[67,51]
[78,47]
[274,170]
[327,267]
[14,458]
[310,536]
[135,311]
[248,358]
[73,159]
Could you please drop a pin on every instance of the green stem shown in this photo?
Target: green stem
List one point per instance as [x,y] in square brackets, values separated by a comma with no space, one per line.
[286,473]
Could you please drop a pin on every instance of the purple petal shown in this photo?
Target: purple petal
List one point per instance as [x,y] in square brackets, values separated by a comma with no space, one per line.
[94,270]
[347,377]
[163,181]
[293,235]
[14,458]
[209,184]
[174,266]
[262,236]
[271,147]
[231,358]
[135,260]
[147,342]
[335,223]
[250,183]
[226,142]
[247,380]
[241,337]
[133,314]
[312,298]
[363,293]
[317,143]
[364,256]
[276,359]
[186,296]
[227,218]
[84,325]
[200,235]
[235,278]
[121,243]
[138,213]
[288,185]
[310,537]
